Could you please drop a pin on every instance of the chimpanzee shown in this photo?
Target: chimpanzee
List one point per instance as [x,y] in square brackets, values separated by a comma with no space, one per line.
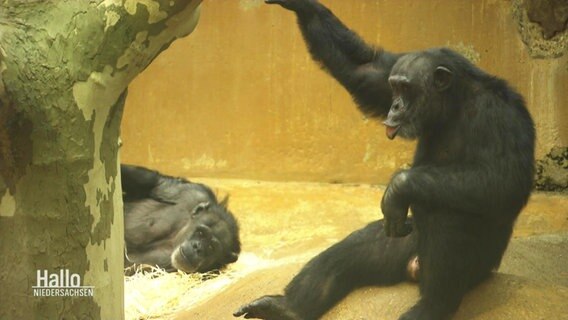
[176,224]
[471,175]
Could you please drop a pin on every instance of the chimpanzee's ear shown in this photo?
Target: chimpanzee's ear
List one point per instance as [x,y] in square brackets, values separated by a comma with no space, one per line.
[225,202]
[443,78]
[232,257]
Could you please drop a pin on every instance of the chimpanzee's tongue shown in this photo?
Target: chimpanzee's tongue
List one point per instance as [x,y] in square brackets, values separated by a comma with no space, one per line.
[392,131]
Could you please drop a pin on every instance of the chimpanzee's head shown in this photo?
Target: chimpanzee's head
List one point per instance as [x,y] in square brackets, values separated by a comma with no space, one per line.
[421,84]
[208,241]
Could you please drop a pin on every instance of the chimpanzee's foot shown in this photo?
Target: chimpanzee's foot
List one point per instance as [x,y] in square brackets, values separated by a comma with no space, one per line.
[268,308]
[427,311]
[412,269]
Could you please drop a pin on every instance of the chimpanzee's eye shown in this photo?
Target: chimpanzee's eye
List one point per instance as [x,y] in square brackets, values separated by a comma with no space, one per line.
[404,86]
[200,207]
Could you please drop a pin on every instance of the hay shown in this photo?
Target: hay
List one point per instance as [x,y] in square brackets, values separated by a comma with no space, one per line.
[153,293]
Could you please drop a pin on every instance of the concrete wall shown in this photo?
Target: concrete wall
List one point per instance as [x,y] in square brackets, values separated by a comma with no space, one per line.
[241,97]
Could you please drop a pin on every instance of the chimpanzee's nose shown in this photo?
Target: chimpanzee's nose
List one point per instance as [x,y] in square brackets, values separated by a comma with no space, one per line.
[196,246]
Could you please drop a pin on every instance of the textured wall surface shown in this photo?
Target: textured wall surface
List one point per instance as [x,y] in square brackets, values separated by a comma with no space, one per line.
[242,98]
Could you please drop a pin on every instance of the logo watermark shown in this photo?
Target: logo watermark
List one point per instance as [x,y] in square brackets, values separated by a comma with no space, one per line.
[62,284]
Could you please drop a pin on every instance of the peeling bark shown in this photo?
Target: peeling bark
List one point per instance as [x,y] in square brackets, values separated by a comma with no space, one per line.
[64,70]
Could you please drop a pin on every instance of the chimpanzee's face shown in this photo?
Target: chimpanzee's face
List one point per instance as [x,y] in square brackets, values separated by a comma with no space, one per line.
[205,243]
[417,84]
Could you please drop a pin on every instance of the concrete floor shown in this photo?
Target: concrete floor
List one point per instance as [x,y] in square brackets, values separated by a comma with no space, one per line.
[283,225]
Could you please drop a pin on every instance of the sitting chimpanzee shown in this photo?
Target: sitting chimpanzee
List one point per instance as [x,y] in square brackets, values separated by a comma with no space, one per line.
[471,175]
[175,224]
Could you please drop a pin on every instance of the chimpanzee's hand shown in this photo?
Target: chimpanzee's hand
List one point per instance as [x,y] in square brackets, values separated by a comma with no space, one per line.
[395,207]
[268,308]
[294,5]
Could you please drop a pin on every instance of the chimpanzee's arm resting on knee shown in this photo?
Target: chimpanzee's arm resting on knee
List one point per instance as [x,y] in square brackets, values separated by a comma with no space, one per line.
[395,205]
[471,189]
[461,187]
[362,69]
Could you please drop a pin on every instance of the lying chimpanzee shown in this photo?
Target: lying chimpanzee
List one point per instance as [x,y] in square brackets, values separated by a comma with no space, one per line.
[175,224]
[472,174]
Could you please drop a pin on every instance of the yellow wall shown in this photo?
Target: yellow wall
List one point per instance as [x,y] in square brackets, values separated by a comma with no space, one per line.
[240,97]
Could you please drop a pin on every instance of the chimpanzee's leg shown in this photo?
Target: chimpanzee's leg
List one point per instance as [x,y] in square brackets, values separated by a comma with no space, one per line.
[452,261]
[366,257]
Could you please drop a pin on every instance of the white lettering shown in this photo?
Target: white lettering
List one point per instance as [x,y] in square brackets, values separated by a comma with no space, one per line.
[75,280]
[60,284]
[42,276]
[53,280]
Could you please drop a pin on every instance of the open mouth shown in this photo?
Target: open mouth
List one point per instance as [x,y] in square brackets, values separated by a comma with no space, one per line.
[392,131]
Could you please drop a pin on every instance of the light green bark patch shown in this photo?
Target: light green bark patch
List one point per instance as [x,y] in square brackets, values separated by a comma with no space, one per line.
[99,93]
[7,205]
[111,18]
[152,6]
[95,97]
[135,50]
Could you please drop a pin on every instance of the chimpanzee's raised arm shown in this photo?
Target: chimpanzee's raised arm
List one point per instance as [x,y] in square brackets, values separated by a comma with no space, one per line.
[138,182]
[362,69]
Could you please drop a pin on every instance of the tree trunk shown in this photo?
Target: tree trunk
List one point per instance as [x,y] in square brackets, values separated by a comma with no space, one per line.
[64,69]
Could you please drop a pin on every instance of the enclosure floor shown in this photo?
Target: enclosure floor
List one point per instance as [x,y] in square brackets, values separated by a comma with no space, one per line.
[283,225]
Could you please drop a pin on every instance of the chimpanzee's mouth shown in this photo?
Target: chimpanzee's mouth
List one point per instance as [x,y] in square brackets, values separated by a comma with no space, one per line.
[184,256]
[392,131]
[181,262]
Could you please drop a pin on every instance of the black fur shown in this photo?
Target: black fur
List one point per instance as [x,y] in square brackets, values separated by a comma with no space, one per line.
[363,258]
[472,174]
